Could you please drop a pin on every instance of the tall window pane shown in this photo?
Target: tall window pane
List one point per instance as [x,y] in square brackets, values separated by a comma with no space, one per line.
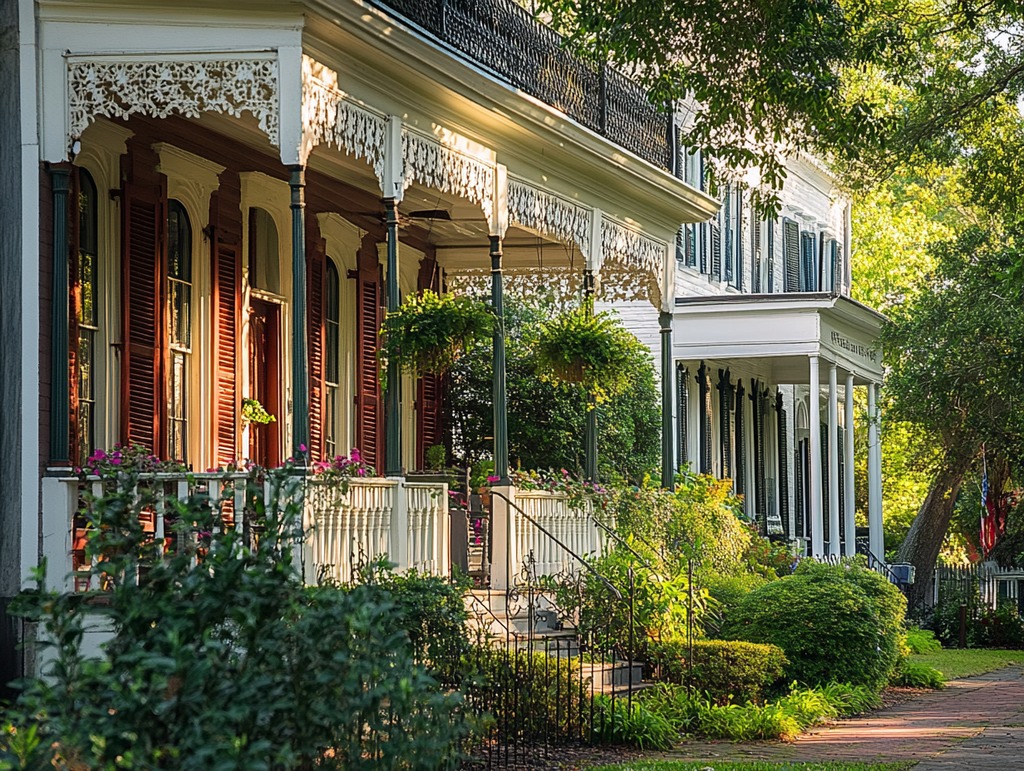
[332,324]
[179,295]
[88,314]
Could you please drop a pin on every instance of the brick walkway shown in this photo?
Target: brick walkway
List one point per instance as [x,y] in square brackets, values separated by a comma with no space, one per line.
[977,723]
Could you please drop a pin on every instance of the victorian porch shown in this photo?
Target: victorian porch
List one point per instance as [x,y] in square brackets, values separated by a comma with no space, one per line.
[229,221]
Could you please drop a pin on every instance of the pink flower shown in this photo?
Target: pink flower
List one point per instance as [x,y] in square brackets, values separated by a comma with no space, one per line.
[493,478]
[355,455]
[302,447]
[115,460]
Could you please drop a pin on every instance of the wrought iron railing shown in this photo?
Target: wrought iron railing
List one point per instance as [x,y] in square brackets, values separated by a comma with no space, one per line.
[503,37]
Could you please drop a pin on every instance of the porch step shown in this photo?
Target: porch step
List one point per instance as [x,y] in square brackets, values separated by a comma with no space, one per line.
[609,678]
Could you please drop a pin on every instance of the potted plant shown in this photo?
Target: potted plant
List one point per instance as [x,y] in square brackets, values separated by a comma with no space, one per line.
[429,330]
[593,349]
[254,412]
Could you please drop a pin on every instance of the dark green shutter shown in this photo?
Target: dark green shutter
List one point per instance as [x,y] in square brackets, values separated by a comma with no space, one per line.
[783,470]
[771,256]
[724,432]
[741,457]
[705,419]
[842,488]
[755,257]
[730,235]
[682,415]
[824,485]
[791,254]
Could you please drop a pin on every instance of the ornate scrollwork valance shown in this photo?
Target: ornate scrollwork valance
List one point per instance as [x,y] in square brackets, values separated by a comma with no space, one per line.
[160,86]
[329,117]
[563,285]
[448,169]
[632,265]
[550,215]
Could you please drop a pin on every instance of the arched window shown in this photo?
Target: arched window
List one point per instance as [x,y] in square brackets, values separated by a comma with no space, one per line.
[179,297]
[88,312]
[264,259]
[332,338]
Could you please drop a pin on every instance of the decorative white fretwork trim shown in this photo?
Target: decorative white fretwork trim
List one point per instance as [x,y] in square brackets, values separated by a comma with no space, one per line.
[330,117]
[162,86]
[449,170]
[561,285]
[550,215]
[630,257]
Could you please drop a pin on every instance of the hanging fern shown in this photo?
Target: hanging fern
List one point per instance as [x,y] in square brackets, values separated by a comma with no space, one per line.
[593,349]
[428,331]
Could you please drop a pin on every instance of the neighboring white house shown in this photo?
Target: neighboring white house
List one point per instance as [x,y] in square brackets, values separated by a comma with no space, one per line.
[762,311]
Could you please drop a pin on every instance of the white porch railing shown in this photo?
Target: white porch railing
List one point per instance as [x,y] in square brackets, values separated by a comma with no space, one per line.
[407,522]
[573,526]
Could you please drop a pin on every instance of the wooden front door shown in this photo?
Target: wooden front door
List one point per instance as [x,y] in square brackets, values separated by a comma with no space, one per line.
[265,380]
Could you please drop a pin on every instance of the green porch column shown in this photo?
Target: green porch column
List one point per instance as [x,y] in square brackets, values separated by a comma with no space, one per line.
[498,395]
[668,472]
[393,395]
[60,405]
[590,430]
[300,371]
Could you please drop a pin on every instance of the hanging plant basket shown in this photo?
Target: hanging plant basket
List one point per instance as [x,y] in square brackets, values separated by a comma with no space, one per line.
[429,331]
[593,349]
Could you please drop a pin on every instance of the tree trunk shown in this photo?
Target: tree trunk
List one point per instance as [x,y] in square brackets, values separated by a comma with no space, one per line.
[921,547]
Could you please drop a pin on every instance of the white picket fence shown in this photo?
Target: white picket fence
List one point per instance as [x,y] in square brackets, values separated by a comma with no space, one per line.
[573,526]
[406,522]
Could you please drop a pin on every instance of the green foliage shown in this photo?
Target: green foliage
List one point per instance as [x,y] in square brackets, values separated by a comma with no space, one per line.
[726,671]
[428,331]
[841,623]
[432,610]
[725,593]
[435,457]
[987,627]
[546,418]
[593,349]
[617,721]
[700,520]
[922,641]
[532,693]
[254,412]
[851,699]
[917,675]
[221,657]
[661,601]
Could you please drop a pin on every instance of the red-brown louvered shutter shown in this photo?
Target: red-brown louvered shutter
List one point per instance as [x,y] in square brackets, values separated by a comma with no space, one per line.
[316,251]
[144,215]
[369,316]
[226,263]
[429,387]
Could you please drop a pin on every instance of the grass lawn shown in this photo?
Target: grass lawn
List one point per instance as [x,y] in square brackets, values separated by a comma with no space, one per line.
[954,664]
[678,765]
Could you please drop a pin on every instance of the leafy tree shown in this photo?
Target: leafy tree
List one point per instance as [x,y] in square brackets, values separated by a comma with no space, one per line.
[546,419]
[953,372]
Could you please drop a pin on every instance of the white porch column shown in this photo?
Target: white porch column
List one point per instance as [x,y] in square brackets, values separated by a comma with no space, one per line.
[505,559]
[875,537]
[834,536]
[850,499]
[814,430]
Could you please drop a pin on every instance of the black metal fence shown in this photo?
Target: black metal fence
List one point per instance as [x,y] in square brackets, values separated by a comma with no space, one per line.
[503,37]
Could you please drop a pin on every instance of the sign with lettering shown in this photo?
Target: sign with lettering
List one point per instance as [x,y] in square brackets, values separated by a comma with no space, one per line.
[844,343]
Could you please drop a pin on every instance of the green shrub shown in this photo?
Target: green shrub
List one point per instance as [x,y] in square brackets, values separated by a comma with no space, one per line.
[917,675]
[661,602]
[617,721]
[533,695]
[433,612]
[725,592]
[922,641]
[834,623]
[221,657]
[725,670]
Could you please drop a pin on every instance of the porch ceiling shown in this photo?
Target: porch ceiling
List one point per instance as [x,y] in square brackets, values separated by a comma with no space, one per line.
[778,333]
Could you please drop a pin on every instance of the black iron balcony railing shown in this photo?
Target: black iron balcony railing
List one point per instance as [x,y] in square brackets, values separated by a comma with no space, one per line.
[504,38]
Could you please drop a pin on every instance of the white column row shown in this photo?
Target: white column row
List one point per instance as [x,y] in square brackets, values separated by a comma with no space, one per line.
[816,508]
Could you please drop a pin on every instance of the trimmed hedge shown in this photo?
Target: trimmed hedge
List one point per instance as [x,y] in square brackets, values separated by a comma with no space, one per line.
[835,623]
[727,670]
